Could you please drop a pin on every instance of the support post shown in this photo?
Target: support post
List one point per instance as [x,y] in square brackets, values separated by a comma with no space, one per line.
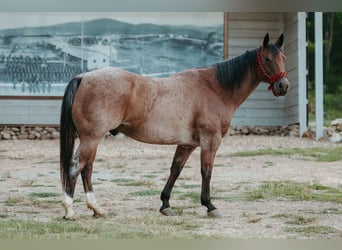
[319,74]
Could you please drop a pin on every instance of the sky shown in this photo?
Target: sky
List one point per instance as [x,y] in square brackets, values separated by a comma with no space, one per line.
[32,19]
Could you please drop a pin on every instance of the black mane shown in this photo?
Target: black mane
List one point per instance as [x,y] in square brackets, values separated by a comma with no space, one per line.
[230,73]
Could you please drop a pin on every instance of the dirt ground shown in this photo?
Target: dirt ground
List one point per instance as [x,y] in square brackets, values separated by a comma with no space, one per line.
[124,169]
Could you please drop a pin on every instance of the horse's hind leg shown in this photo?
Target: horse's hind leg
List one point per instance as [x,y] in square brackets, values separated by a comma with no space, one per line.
[87,157]
[181,156]
[82,162]
[88,189]
[69,182]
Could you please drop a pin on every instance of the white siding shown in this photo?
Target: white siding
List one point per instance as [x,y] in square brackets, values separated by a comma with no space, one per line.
[291,50]
[246,31]
[44,112]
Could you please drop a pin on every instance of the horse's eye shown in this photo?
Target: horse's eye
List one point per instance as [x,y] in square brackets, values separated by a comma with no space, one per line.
[267,59]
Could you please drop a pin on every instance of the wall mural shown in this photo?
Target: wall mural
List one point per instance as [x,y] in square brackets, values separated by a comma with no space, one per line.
[41,52]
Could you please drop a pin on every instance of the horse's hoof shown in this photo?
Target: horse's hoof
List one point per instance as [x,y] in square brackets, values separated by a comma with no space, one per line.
[98,215]
[167,211]
[68,217]
[214,214]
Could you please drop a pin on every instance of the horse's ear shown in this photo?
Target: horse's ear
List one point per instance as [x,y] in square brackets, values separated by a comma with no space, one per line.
[280,41]
[266,40]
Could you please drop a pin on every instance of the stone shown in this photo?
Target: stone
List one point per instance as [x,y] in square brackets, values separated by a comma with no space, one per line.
[15,129]
[244,130]
[54,135]
[335,138]
[6,136]
[38,129]
[50,130]
[22,136]
[31,137]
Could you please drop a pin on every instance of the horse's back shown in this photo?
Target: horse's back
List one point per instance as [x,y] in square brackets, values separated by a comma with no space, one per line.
[154,110]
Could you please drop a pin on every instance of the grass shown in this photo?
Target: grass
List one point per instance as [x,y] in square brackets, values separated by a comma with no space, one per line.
[316,153]
[132,183]
[13,200]
[146,193]
[195,197]
[142,227]
[312,230]
[295,191]
[295,219]
[43,194]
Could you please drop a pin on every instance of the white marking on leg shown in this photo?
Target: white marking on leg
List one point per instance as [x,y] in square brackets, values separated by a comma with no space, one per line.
[75,164]
[92,204]
[91,199]
[67,204]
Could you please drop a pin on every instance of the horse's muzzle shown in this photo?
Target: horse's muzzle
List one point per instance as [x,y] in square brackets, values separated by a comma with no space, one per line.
[282,86]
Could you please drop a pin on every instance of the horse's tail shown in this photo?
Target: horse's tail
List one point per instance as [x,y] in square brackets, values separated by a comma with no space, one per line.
[67,130]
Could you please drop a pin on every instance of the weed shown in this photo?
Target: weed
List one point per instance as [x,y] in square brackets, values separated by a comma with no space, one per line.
[146,193]
[150,176]
[296,191]
[190,186]
[296,219]
[135,183]
[121,180]
[193,196]
[311,230]
[27,183]
[12,200]
[318,154]
[332,210]
[118,165]
[254,220]
[14,229]
[43,195]
[6,175]
[301,220]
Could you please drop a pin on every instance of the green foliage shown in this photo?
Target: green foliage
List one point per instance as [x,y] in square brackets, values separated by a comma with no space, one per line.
[332,75]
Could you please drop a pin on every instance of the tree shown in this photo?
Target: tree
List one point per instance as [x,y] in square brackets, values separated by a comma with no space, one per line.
[328,36]
[332,31]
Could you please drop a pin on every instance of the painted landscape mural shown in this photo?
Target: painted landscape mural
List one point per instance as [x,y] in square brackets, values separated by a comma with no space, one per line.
[40,60]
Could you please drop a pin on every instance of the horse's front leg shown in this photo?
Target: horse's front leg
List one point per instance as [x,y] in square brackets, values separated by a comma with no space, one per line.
[209,147]
[181,156]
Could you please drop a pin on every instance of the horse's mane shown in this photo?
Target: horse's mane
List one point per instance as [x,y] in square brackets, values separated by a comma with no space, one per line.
[230,73]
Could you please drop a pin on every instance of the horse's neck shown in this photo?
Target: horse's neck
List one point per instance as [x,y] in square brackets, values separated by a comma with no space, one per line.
[248,84]
[247,87]
[238,77]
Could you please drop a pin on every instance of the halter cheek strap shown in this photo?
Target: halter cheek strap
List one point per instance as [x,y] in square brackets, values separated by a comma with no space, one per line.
[271,79]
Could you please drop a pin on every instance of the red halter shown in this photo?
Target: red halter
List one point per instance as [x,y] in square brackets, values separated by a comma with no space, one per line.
[272,79]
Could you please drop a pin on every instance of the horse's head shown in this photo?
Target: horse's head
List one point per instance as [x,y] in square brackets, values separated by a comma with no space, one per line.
[271,61]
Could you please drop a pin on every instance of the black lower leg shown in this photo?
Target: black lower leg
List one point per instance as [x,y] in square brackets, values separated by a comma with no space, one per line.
[205,193]
[86,178]
[181,156]
[165,194]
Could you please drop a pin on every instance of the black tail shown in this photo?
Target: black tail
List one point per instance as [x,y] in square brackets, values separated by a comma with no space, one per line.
[67,129]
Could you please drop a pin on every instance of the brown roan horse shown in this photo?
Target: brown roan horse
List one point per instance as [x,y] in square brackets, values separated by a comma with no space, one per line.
[190,109]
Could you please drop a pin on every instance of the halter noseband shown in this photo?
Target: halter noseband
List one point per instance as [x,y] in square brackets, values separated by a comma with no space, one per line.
[271,79]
